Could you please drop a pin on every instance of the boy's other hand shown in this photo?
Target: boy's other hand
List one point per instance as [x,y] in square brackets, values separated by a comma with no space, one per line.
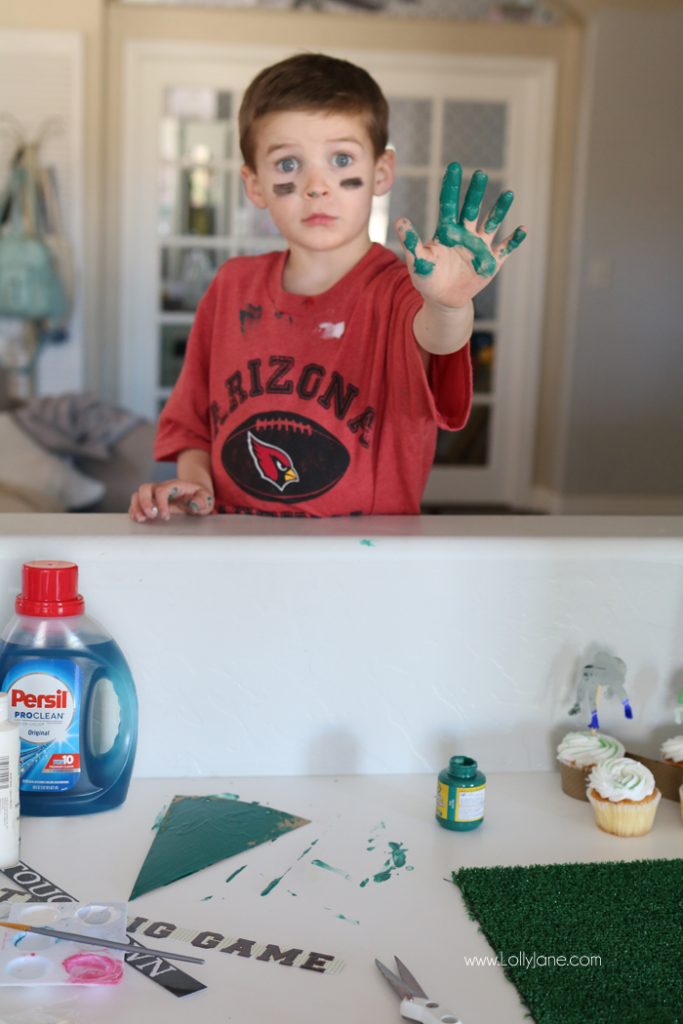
[462,257]
[172,497]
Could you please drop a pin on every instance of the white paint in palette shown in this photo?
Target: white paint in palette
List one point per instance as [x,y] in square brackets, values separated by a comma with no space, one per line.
[330,330]
[29,958]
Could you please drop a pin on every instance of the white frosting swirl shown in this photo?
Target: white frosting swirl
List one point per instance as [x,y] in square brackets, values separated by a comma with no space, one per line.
[622,779]
[672,749]
[584,749]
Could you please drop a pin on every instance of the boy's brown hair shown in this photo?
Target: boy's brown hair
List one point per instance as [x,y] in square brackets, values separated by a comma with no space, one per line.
[313,82]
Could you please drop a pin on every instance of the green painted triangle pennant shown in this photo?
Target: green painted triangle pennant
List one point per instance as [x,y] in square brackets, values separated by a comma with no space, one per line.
[198,831]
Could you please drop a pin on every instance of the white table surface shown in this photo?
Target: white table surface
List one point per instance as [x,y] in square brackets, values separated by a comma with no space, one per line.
[417,914]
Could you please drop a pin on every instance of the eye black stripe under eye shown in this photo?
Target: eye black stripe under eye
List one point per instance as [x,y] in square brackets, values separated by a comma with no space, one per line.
[285,189]
[351,183]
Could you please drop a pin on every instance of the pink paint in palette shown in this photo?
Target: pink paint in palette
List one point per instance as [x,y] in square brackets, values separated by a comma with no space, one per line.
[29,958]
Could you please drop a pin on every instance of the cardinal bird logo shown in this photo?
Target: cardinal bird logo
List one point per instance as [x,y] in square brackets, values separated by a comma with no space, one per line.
[272,463]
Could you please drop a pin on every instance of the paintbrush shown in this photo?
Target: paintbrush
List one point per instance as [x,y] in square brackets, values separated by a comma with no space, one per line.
[90,940]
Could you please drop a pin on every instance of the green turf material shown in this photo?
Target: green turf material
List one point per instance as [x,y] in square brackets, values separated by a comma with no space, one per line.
[630,914]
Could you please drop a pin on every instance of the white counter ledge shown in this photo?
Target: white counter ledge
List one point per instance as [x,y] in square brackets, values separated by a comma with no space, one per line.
[477,534]
[267,647]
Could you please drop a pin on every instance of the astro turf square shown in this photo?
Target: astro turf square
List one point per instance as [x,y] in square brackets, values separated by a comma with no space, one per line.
[623,921]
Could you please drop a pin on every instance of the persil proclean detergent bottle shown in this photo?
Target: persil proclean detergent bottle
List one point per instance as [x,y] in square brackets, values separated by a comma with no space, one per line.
[71,694]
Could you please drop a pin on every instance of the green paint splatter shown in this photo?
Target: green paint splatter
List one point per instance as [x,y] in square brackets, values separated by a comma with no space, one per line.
[373,839]
[342,917]
[329,867]
[235,873]
[382,876]
[420,265]
[276,881]
[368,543]
[307,850]
[395,861]
[398,854]
[204,898]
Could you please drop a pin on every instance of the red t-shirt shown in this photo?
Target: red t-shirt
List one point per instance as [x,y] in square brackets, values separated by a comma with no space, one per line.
[313,405]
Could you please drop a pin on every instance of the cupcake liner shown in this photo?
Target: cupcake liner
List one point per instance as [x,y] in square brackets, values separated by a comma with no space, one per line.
[623,817]
[668,776]
[574,780]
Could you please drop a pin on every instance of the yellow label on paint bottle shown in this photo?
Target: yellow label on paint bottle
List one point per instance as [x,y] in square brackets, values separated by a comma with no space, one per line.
[441,800]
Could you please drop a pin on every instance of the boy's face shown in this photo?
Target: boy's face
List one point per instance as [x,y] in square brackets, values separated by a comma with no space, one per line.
[316,174]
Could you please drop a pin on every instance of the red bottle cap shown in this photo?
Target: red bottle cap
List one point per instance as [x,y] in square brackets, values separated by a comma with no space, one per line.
[49,589]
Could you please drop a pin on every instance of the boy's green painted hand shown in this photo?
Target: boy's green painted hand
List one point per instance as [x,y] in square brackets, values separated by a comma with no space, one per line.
[462,257]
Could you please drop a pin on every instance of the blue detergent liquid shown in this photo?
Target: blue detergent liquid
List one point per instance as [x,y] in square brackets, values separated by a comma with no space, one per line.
[76,707]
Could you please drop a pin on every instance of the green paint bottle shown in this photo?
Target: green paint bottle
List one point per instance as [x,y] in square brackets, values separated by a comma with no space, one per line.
[460,795]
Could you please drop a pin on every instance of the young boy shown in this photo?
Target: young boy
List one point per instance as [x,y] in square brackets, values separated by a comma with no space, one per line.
[315,379]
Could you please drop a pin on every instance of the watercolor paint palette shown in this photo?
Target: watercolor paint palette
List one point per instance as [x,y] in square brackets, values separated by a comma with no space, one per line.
[29,958]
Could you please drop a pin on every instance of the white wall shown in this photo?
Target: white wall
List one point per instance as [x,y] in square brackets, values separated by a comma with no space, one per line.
[624,376]
[384,645]
[41,80]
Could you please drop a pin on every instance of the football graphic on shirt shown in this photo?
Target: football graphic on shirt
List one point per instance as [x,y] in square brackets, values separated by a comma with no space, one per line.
[284,457]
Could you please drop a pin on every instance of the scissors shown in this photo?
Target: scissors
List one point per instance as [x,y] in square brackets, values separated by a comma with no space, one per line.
[415,1004]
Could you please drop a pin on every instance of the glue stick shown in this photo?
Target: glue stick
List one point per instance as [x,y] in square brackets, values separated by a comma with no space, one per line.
[9,787]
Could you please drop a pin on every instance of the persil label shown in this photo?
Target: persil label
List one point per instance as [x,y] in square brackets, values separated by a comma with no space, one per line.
[44,699]
[42,706]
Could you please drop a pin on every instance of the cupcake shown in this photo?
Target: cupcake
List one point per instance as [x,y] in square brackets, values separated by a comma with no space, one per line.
[672,751]
[578,753]
[623,796]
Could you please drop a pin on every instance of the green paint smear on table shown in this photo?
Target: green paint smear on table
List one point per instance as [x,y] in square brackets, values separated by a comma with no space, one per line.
[396,860]
[342,917]
[373,839]
[329,867]
[198,831]
[307,850]
[276,881]
[627,915]
[235,873]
